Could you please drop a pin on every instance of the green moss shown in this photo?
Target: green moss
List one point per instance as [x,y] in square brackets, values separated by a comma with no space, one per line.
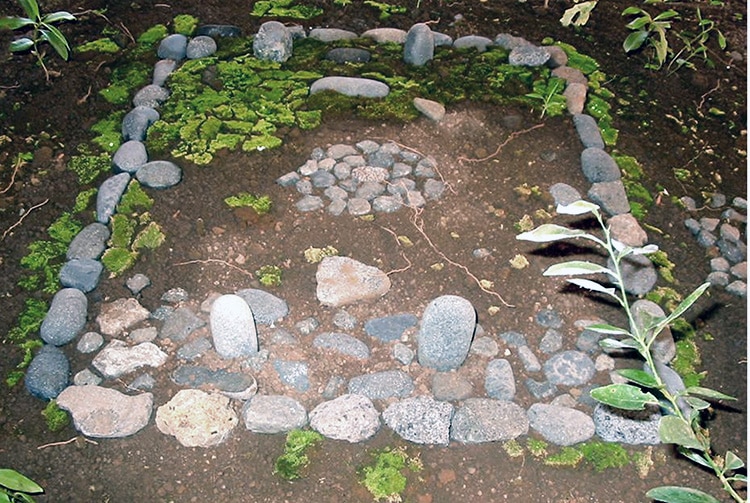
[29,321]
[609,133]
[385,479]
[298,442]
[386,9]
[269,275]
[629,166]
[56,418]
[604,455]
[45,259]
[512,448]
[536,447]
[185,24]
[134,199]
[261,205]
[105,45]
[149,38]
[260,143]
[150,237]
[109,131]
[665,266]
[687,360]
[665,296]
[586,64]
[65,228]
[284,8]
[118,260]
[89,167]
[124,81]
[597,107]
[314,255]
[568,457]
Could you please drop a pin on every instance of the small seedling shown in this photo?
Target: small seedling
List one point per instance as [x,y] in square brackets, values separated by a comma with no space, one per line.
[314,255]
[269,275]
[261,204]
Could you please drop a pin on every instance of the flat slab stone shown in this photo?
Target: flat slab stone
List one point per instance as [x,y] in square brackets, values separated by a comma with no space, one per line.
[351,86]
[342,281]
[486,420]
[119,315]
[384,35]
[117,358]
[349,417]
[569,368]
[390,328]
[106,413]
[342,343]
[159,174]
[232,384]
[560,425]
[422,420]
[48,373]
[196,418]
[179,324]
[381,385]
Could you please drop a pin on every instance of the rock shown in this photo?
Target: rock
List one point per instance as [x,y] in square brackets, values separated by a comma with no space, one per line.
[273,414]
[289,179]
[219,30]
[82,274]
[480,420]
[173,47]
[484,346]
[384,35]
[86,378]
[180,324]
[570,75]
[197,418]
[117,358]
[734,252]
[333,387]
[626,229]
[267,308]
[201,46]
[499,381]
[739,270]
[162,70]
[575,96]
[588,341]
[110,192]
[344,320]
[610,196]
[509,42]
[65,318]
[598,166]
[135,124]
[309,203]
[557,56]
[529,359]
[540,389]
[549,318]
[528,55]
[638,274]
[348,55]
[419,46]
[293,374]
[351,86]
[146,334]
[89,342]
[342,343]
[232,327]
[560,425]
[159,174]
[130,156]
[137,283]
[390,328]
[151,96]
[447,328]
[340,150]
[627,426]
[513,339]
[450,386]
[441,39]
[588,131]
[194,349]
[106,413]
[433,189]
[738,288]
[349,417]
[431,109]
[472,42]
[48,373]
[322,179]
[421,420]
[663,348]
[328,35]
[175,296]
[551,342]
[89,243]
[564,194]
[118,316]
[381,385]
[273,42]
[569,368]
[342,281]
[234,385]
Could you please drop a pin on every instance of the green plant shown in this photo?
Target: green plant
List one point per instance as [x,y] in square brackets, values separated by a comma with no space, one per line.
[269,275]
[105,45]
[682,423]
[261,204]
[43,31]
[294,459]
[579,14]
[185,24]
[549,92]
[56,418]
[604,455]
[17,488]
[385,479]
[537,448]
[314,255]
[88,167]
[386,9]
[649,30]
[284,8]
[694,44]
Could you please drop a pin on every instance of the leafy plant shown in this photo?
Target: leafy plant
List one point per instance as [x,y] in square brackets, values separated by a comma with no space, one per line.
[56,418]
[284,8]
[579,14]
[386,9]
[694,44]
[185,24]
[651,31]
[17,488]
[269,275]
[682,423]
[43,30]
[294,459]
[261,204]
[385,479]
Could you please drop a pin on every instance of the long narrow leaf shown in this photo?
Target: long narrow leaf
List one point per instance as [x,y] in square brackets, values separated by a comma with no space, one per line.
[644,250]
[603,328]
[639,377]
[635,40]
[621,344]
[695,457]
[594,286]
[57,40]
[708,393]
[684,305]
[546,233]
[13,23]
[623,396]
[676,494]
[579,207]
[18,482]
[575,267]
[58,16]
[31,8]
[697,403]
[21,45]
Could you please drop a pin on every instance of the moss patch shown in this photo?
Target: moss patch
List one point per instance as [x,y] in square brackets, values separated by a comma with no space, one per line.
[261,204]
[298,443]
[88,166]
[55,417]
[385,478]
[604,455]
[185,24]
[105,45]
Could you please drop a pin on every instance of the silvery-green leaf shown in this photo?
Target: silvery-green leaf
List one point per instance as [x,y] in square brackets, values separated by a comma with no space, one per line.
[697,403]
[603,328]
[732,461]
[676,494]
[20,45]
[594,286]
[639,377]
[684,305]
[623,396]
[618,344]
[575,267]
[675,430]
[58,16]
[695,457]
[579,207]
[551,232]
[708,393]
[644,250]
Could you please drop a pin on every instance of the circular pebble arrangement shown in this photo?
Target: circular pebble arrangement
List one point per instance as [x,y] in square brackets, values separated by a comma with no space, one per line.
[359,179]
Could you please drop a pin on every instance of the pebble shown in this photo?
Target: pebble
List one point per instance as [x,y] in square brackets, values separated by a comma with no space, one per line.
[349,417]
[90,342]
[159,174]
[65,318]
[197,418]
[445,334]
[273,414]
[136,123]
[82,274]
[233,327]
[390,328]
[118,359]
[588,130]
[569,368]
[130,156]
[381,385]
[422,420]
[342,343]
[173,47]
[331,34]
[342,281]
[151,96]
[48,373]
[293,374]
[351,86]
[104,412]
[110,192]
[451,386]
[560,425]
[419,46]
[201,46]
[384,35]
[499,381]
[528,55]
[627,427]
[473,42]
[89,243]
[480,420]
[403,353]
[267,308]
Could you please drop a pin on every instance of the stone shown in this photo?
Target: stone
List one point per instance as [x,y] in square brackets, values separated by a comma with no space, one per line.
[548,318]
[540,389]
[173,47]
[529,359]
[159,174]
[151,96]
[626,229]
[610,196]
[564,194]
[309,203]
[106,413]
[627,426]
[82,274]
[560,425]
[369,191]
[719,264]
[384,35]
[219,30]
[196,418]
[343,281]
[441,39]
[451,386]
[472,42]
[89,243]
[119,315]
[344,320]
[194,349]
[557,56]
[386,204]
[433,189]
[180,324]
[201,46]
[233,327]
[484,346]
[638,274]
[551,342]
[273,414]
[86,378]
[118,359]
[342,343]
[739,270]
[130,156]
[598,166]
[570,75]
[588,131]
[575,96]
[480,420]
[734,251]
[403,353]
[569,368]
[381,385]
[738,288]
[48,373]
[513,338]
[65,318]
[145,334]
[337,207]
[137,283]
[135,124]
[431,109]
[508,41]
[446,331]
[273,42]
[328,35]
[349,417]
[351,86]
[235,385]
[322,179]
[289,179]
[422,420]
[499,381]
[110,192]
[419,46]
[588,341]
[162,70]
[293,374]
[90,342]
[348,55]
[528,55]
[377,171]
[175,296]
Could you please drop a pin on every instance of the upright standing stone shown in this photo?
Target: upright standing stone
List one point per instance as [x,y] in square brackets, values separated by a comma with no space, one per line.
[444,338]
[419,47]
[232,327]
[273,42]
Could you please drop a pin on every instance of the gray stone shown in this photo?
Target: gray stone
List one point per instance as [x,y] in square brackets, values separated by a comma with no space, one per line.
[560,425]
[273,42]
[233,327]
[65,318]
[180,324]
[89,243]
[425,168]
[196,418]
[403,353]
[110,192]
[335,193]
[267,308]
[598,166]
[106,413]
[734,252]
[304,186]
[343,281]
[718,278]
[709,224]
[307,326]
[481,420]
[627,426]
[355,161]
[402,186]
[343,344]
[638,274]
[175,295]
[557,56]
[549,318]
[118,359]
[588,341]
[705,239]
[540,389]
[130,156]
[570,75]
[146,334]
[273,414]
[472,42]
[738,288]
[626,229]
[717,200]
[692,225]
[342,170]
[369,191]
[569,368]
[588,131]
[90,342]
[82,274]
[431,109]
[162,70]
[499,381]
[381,385]
[419,46]
[384,35]
[400,169]
[349,417]
[159,174]
[48,373]
[551,342]
[173,47]
[575,96]
[509,42]
[447,327]
[235,385]
[331,34]
[730,233]
[348,55]
[610,196]
[433,189]
[119,315]
[367,146]
[719,264]
[322,179]
[201,46]
[137,283]
[344,320]
[309,203]
[513,339]
[340,150]
[528,55]
[334,387]
[351,86]
[194,349]
[529,359]
[135,124]
[739,270]
[289,179]
[143,382]
[86,378]
[387,204]
[441,39]
[151,96]
[421,420]
[484,346]
[733,216]
[337,207]
[451,386]
[564,194]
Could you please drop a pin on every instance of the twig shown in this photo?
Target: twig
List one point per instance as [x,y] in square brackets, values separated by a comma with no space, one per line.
[125,30]
[708,93]
[215,261]
[82,100]
[403,255]
[22,217]
[56,444]
[510,138]
[19,162]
